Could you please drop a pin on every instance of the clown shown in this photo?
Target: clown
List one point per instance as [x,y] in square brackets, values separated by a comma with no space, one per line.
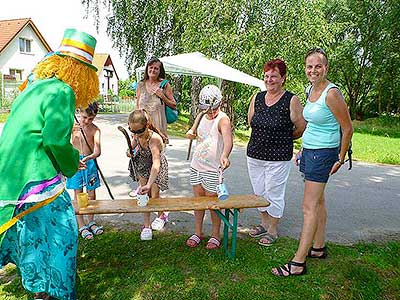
[37,221]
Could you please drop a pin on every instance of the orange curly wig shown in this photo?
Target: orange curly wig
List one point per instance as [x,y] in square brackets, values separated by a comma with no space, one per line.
[82,79]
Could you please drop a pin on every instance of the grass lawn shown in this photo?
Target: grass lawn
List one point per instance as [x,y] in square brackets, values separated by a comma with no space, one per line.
[119,266]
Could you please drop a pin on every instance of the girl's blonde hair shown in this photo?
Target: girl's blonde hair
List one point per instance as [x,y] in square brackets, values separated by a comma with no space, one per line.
[141,116]
[82,79]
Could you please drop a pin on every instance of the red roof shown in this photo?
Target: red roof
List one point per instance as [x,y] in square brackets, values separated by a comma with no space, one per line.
[9,29]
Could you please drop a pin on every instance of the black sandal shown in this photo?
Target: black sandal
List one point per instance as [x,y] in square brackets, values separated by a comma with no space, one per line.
[324,251]
[288,270]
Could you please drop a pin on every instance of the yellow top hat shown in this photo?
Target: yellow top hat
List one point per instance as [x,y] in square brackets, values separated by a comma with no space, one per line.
[79,45]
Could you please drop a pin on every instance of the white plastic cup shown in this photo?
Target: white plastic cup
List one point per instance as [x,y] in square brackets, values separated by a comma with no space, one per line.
[222,191]
[142,199]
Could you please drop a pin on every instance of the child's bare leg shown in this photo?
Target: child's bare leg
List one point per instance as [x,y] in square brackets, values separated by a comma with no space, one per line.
[79,218]
[198,191]
[215,220]
[146,216]
[155,193]
[92,196]
[159,222]
[94,228]
[146,220]
[216,225]
[83,230]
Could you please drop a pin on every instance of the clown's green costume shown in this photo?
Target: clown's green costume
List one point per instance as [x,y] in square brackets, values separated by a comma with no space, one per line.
[37,220]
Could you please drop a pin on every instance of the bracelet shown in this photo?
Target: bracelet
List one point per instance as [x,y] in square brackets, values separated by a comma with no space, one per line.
[341,162]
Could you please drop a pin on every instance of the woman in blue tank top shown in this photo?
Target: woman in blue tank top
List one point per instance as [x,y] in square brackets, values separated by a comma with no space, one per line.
[323,154]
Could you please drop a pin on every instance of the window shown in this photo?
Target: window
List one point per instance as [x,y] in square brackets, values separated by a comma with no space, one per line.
[17,74]
[24,45]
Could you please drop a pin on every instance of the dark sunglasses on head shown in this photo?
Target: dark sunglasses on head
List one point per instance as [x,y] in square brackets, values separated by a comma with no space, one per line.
[139,131]
[205,106]
[316,50]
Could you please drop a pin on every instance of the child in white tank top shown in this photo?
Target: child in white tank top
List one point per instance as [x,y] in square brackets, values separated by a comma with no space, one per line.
[213,147]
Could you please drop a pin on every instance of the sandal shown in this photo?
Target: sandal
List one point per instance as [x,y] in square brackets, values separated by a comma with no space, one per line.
[96,230]
[194,240]
[323,250]
[288,269]
[213,243]
[268,240]
[86,233]
[258,231]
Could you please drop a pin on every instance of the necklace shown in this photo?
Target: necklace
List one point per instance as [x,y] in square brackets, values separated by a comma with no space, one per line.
[272,101]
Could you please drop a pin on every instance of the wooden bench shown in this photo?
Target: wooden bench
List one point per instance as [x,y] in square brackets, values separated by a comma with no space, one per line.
[231,206]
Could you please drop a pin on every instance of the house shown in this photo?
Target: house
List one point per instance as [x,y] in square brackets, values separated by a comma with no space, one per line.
[22,46]
[108,78]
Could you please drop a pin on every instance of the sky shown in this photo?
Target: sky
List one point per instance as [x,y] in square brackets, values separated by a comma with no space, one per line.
[52,17]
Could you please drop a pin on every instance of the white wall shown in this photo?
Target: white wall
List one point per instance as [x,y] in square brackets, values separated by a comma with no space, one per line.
[103,81]
[12,58]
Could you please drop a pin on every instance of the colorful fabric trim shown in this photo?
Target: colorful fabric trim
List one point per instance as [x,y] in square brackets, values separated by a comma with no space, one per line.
[76,53]
[15,219]
[41,186]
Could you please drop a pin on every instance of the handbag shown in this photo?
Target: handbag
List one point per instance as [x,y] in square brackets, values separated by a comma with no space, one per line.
[170,113]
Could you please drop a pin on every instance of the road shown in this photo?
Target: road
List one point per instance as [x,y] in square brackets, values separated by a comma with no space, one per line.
[363,204]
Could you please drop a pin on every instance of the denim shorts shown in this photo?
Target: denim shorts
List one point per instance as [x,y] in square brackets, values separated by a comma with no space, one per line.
[88,177]
[317,163]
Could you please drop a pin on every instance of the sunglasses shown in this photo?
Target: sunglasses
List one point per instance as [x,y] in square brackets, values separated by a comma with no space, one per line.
[139,131]
[316,50]
[205,106]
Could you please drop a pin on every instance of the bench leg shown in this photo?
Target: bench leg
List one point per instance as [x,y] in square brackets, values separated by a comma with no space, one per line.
[231,253]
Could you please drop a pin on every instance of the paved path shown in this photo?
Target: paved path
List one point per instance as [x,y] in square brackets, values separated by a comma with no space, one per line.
[363,204]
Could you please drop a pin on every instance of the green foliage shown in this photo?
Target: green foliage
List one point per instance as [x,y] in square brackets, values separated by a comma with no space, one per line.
[361,38]
[125,88]
[117,265]
[3,117]
[386,126]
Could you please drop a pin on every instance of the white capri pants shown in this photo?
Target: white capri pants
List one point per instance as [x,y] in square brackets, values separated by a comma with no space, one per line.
[268,179]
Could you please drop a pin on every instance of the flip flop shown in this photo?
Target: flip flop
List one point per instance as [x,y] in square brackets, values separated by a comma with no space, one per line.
[258,231]
[268,240]
[193,241]
[213,243]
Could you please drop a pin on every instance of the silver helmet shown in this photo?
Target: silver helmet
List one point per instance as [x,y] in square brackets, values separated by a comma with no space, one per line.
[210,96]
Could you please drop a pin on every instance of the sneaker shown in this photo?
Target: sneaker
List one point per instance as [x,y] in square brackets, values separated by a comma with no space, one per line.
[133,193]
[146,234]
[159,223]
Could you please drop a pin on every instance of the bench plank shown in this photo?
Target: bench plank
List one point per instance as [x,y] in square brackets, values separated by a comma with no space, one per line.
[172,204]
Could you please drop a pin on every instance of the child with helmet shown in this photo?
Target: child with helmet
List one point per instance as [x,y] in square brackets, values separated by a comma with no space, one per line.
[211,156]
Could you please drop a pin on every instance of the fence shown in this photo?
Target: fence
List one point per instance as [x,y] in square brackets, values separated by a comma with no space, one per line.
[117,106]
[8,91]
